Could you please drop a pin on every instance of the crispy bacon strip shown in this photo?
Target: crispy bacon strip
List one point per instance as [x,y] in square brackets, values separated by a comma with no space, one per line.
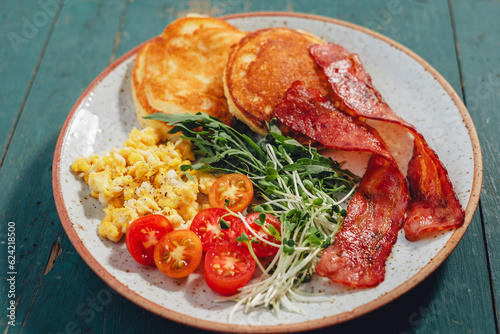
[375,213]
[434,205]
[374,217]
[308,112]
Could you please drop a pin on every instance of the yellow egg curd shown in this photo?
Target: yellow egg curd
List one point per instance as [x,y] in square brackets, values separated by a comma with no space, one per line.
[144,178]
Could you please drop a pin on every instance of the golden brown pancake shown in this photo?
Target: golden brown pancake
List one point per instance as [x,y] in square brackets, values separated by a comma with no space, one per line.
[181,70]
[262,67]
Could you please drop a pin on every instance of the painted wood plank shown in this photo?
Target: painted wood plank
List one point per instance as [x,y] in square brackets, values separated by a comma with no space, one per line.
[136,30]
[25,26]
[478,28]
[78,50]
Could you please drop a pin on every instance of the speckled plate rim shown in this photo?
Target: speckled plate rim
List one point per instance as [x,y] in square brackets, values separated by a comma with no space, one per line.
[307,325]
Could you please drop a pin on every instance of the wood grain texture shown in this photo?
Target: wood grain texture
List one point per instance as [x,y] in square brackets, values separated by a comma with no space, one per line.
[58,293]
[477,30]
[25,28]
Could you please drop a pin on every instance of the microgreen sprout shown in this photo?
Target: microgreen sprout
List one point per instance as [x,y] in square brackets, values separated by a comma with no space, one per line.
[224,224]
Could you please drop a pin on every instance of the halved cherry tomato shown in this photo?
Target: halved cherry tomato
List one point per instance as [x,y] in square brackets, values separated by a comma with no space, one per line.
[236,188]
[228,268]
[262,249]
[143,234]
[178,253]
[206,224]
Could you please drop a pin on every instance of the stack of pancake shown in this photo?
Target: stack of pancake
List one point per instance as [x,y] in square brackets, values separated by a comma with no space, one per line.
[204,64]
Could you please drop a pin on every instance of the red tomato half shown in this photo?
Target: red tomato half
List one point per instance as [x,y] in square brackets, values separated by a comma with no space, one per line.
[206,224]
[262,249]
[228,268]
[236,188]
[143,234]
[178,253]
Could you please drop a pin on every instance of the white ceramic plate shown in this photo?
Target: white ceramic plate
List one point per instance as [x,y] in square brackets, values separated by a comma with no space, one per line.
[104,115]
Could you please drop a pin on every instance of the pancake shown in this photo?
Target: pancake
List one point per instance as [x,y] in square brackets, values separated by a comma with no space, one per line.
[181,70]
[262,67]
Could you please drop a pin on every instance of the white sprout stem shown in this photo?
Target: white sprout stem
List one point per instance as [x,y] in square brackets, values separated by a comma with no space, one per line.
[293,307]
[297,193]
[231,314]
[280,290]
[277,306]
[297,198]
[304,262]
[299,181]
[273,156]
[269,294]
[311,220]
[250,249]
[283,207]
[310,151]
[324,196]
[336,229]
[304,249]
[274,279]
[346,196]
[263,280]
[308,296]
[291,200]
[329,228]
[256,294]
[256,177]
[276,259]
[276,162]
[283,185]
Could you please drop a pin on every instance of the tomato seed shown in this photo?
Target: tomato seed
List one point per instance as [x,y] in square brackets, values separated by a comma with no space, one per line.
[187,242]
[179,264]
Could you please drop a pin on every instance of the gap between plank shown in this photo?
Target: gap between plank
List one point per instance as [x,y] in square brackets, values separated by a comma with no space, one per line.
[55,251]
[56,248]
[119,33]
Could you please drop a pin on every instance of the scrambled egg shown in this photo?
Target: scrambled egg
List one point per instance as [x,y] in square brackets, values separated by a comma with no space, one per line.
[144,178]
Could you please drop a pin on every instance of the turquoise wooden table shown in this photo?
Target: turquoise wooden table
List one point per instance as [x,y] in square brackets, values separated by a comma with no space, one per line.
[50,50]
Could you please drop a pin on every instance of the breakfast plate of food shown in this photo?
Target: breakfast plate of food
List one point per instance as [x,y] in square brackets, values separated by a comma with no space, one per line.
[266,172]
